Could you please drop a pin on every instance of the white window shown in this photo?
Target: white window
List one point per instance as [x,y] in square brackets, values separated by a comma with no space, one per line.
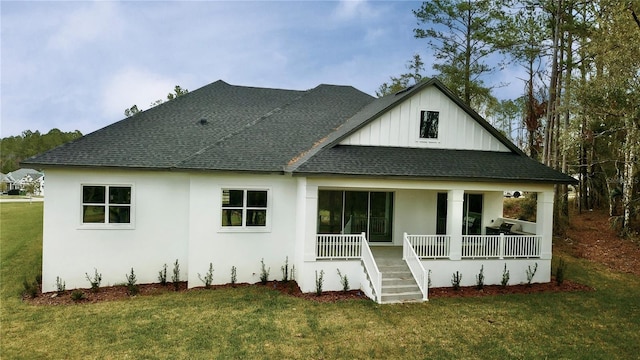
[106,204]
[244,208]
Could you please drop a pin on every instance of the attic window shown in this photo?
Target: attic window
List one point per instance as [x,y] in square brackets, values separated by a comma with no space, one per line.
[429,124]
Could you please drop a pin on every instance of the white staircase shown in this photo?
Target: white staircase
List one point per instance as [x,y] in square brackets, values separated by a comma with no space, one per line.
[398,284]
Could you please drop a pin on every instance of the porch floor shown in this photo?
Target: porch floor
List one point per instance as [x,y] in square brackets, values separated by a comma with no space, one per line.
[386,255]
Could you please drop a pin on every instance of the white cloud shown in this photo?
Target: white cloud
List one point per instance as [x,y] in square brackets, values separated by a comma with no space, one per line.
[132,86]
[352,9]
[91,22]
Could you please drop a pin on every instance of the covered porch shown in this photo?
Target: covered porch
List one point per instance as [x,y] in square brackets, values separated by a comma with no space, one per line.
[435,231]
[452,224]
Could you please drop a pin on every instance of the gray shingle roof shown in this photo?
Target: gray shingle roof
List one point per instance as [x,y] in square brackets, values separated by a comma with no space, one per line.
[435,164]
[237,128]
[256,129]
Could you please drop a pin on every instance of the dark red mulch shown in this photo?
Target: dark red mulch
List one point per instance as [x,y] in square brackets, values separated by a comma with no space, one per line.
[291,288]
[488,290]
[109,293]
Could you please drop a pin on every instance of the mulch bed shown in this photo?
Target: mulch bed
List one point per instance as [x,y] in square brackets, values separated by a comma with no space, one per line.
[291,288]
[488,290]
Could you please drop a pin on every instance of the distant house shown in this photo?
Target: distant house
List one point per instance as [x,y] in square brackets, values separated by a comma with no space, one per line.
[392,191]
[19,179]
[5,182]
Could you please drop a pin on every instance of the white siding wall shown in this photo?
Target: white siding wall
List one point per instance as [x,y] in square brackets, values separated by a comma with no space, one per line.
[442,271]
[210,243]
[400,126]
[178,216]
[160,234]
[415,213]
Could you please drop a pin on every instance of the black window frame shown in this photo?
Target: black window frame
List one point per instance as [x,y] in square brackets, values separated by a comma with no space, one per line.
[253,209]
[107,205]
[429,124]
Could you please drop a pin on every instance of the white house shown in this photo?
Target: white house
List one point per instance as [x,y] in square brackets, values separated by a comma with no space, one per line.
[391,191]
[20,178]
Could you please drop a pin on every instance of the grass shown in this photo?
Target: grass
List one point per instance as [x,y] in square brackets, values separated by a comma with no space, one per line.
[256,322]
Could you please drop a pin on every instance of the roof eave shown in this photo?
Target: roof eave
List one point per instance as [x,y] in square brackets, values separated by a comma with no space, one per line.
[435,178]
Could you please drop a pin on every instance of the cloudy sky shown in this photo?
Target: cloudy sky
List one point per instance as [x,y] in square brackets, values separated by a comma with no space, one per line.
[79,65]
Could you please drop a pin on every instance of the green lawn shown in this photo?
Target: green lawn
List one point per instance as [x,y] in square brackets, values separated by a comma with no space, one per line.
[257,322]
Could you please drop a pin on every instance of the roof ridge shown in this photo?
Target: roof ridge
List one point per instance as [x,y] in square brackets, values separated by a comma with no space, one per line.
[266,115]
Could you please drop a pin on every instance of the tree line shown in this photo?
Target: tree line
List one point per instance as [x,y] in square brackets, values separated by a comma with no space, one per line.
[579,108]
[14,149]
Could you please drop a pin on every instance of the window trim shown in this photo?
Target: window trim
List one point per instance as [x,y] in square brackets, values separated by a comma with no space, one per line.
[107,225]
[426,139]
[244,228]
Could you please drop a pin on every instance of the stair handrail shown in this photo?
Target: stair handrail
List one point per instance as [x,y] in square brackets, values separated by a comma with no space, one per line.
[415,265]
[371,268]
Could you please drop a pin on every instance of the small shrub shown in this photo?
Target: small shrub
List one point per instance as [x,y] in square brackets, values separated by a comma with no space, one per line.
[264,273]
[480,279]
[292,276]
[175,278]
[234,276]
[208,277]
[505,277]
[60,285]
[30,288]
[561,269]
[77,295]
[531,273]
[132,288]
[429,279]
[162,276]
[285,270]
[344,281]
[95,280]
[456,278]
[319,282]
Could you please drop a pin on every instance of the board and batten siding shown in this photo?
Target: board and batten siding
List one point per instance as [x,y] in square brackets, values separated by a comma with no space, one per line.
[400,126]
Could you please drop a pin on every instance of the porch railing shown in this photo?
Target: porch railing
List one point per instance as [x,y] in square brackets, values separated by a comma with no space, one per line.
[430,246]
[338,246]
[375,276]
[500,246]
[415,265]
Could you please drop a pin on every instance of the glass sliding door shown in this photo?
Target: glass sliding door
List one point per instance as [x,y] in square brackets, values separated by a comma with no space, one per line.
[381,215]
[355,212]
[330,206]
[472,214]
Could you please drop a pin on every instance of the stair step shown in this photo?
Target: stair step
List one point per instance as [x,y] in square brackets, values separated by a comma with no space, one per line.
[398,282]
[401,297]
[400,289]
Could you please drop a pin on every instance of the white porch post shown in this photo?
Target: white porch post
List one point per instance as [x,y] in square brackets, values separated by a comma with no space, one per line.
[544,223]
[307,213]
[455,200]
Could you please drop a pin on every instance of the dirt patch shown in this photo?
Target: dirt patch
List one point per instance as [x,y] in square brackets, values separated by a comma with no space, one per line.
[591,236]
